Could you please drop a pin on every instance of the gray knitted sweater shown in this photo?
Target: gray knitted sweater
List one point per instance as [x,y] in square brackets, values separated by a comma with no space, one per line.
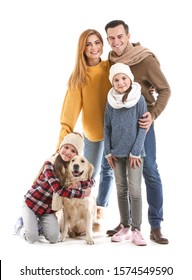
[122,135]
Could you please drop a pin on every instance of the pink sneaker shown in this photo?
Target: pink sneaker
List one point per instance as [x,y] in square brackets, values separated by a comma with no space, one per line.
[122,235]
[138,239]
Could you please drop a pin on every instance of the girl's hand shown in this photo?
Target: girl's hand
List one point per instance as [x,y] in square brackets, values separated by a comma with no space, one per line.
[87,192]
[134,162]
[111,161]
[145,121]
[75,185]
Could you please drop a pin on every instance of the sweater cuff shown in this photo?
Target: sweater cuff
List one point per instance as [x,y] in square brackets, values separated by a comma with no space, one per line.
[131,155]
[108,155]
[153,116]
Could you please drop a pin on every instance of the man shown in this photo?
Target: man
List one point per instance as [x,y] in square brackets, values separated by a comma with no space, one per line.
[147,73]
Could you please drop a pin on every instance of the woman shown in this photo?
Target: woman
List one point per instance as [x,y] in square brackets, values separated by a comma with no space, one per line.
[87,91]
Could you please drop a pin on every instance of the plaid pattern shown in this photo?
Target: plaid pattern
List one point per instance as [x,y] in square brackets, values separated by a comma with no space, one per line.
[39,197]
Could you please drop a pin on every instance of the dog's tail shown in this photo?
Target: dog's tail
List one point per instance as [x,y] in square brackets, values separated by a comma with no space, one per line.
[96,227]
[99,216]
[100,212]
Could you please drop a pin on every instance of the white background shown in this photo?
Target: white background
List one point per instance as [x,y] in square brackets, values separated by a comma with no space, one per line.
[37,54]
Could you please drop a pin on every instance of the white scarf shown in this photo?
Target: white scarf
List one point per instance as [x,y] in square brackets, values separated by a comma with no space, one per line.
[115,99]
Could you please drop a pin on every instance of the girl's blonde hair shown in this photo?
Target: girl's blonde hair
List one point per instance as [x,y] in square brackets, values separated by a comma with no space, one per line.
[78,77]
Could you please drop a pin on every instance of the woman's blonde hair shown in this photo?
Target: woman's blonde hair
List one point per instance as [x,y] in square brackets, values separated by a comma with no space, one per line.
[78,77]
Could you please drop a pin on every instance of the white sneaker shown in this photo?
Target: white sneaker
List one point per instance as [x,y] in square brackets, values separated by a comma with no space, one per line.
[18,225]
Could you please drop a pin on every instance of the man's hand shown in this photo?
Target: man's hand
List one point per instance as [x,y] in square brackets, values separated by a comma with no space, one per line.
[145,121]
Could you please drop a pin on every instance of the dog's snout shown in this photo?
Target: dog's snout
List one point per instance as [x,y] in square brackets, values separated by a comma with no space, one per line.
[76,167]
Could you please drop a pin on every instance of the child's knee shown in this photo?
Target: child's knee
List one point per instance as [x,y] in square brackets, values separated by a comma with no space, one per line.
[54,238]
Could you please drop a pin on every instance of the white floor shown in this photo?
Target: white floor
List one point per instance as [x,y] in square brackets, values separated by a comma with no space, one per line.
[16,254]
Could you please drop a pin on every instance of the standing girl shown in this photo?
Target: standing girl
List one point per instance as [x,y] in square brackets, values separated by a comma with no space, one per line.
[124,147]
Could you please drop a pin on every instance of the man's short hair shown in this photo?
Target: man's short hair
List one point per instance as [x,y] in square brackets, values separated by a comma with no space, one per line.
[115,23]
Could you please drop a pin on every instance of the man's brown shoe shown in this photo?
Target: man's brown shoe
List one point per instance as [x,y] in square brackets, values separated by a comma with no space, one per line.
[111,232]
[156,236]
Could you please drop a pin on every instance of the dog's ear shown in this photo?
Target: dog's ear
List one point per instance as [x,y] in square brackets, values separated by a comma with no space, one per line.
[90,170]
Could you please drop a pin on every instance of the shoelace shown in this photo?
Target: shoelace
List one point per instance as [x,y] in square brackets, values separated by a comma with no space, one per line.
[138,233]
[122,232]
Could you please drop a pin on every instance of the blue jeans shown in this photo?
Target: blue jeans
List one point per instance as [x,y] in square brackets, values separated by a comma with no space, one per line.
[94,152]
[153,181]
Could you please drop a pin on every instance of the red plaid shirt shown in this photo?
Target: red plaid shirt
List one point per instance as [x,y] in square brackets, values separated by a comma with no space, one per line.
[39,197]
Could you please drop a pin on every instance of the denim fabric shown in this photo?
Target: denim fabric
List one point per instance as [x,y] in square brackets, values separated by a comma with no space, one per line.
[94,152]
[153,181]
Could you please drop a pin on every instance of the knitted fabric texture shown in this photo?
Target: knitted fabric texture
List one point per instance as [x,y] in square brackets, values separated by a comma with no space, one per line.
[120,68]
[133,54]
[73,139]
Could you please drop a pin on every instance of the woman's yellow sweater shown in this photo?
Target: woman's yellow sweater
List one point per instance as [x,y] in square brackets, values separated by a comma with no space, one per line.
[90,100]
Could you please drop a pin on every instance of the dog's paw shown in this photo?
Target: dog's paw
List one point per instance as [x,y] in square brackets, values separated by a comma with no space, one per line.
[71,234]
[63,238]
[90,241]
[60,240]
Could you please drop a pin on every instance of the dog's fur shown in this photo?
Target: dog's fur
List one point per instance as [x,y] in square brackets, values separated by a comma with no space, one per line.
[79,213]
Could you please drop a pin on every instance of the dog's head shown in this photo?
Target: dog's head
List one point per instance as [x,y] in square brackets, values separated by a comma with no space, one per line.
[80,168]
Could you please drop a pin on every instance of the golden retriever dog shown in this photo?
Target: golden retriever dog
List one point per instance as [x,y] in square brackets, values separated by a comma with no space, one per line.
[80,214]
